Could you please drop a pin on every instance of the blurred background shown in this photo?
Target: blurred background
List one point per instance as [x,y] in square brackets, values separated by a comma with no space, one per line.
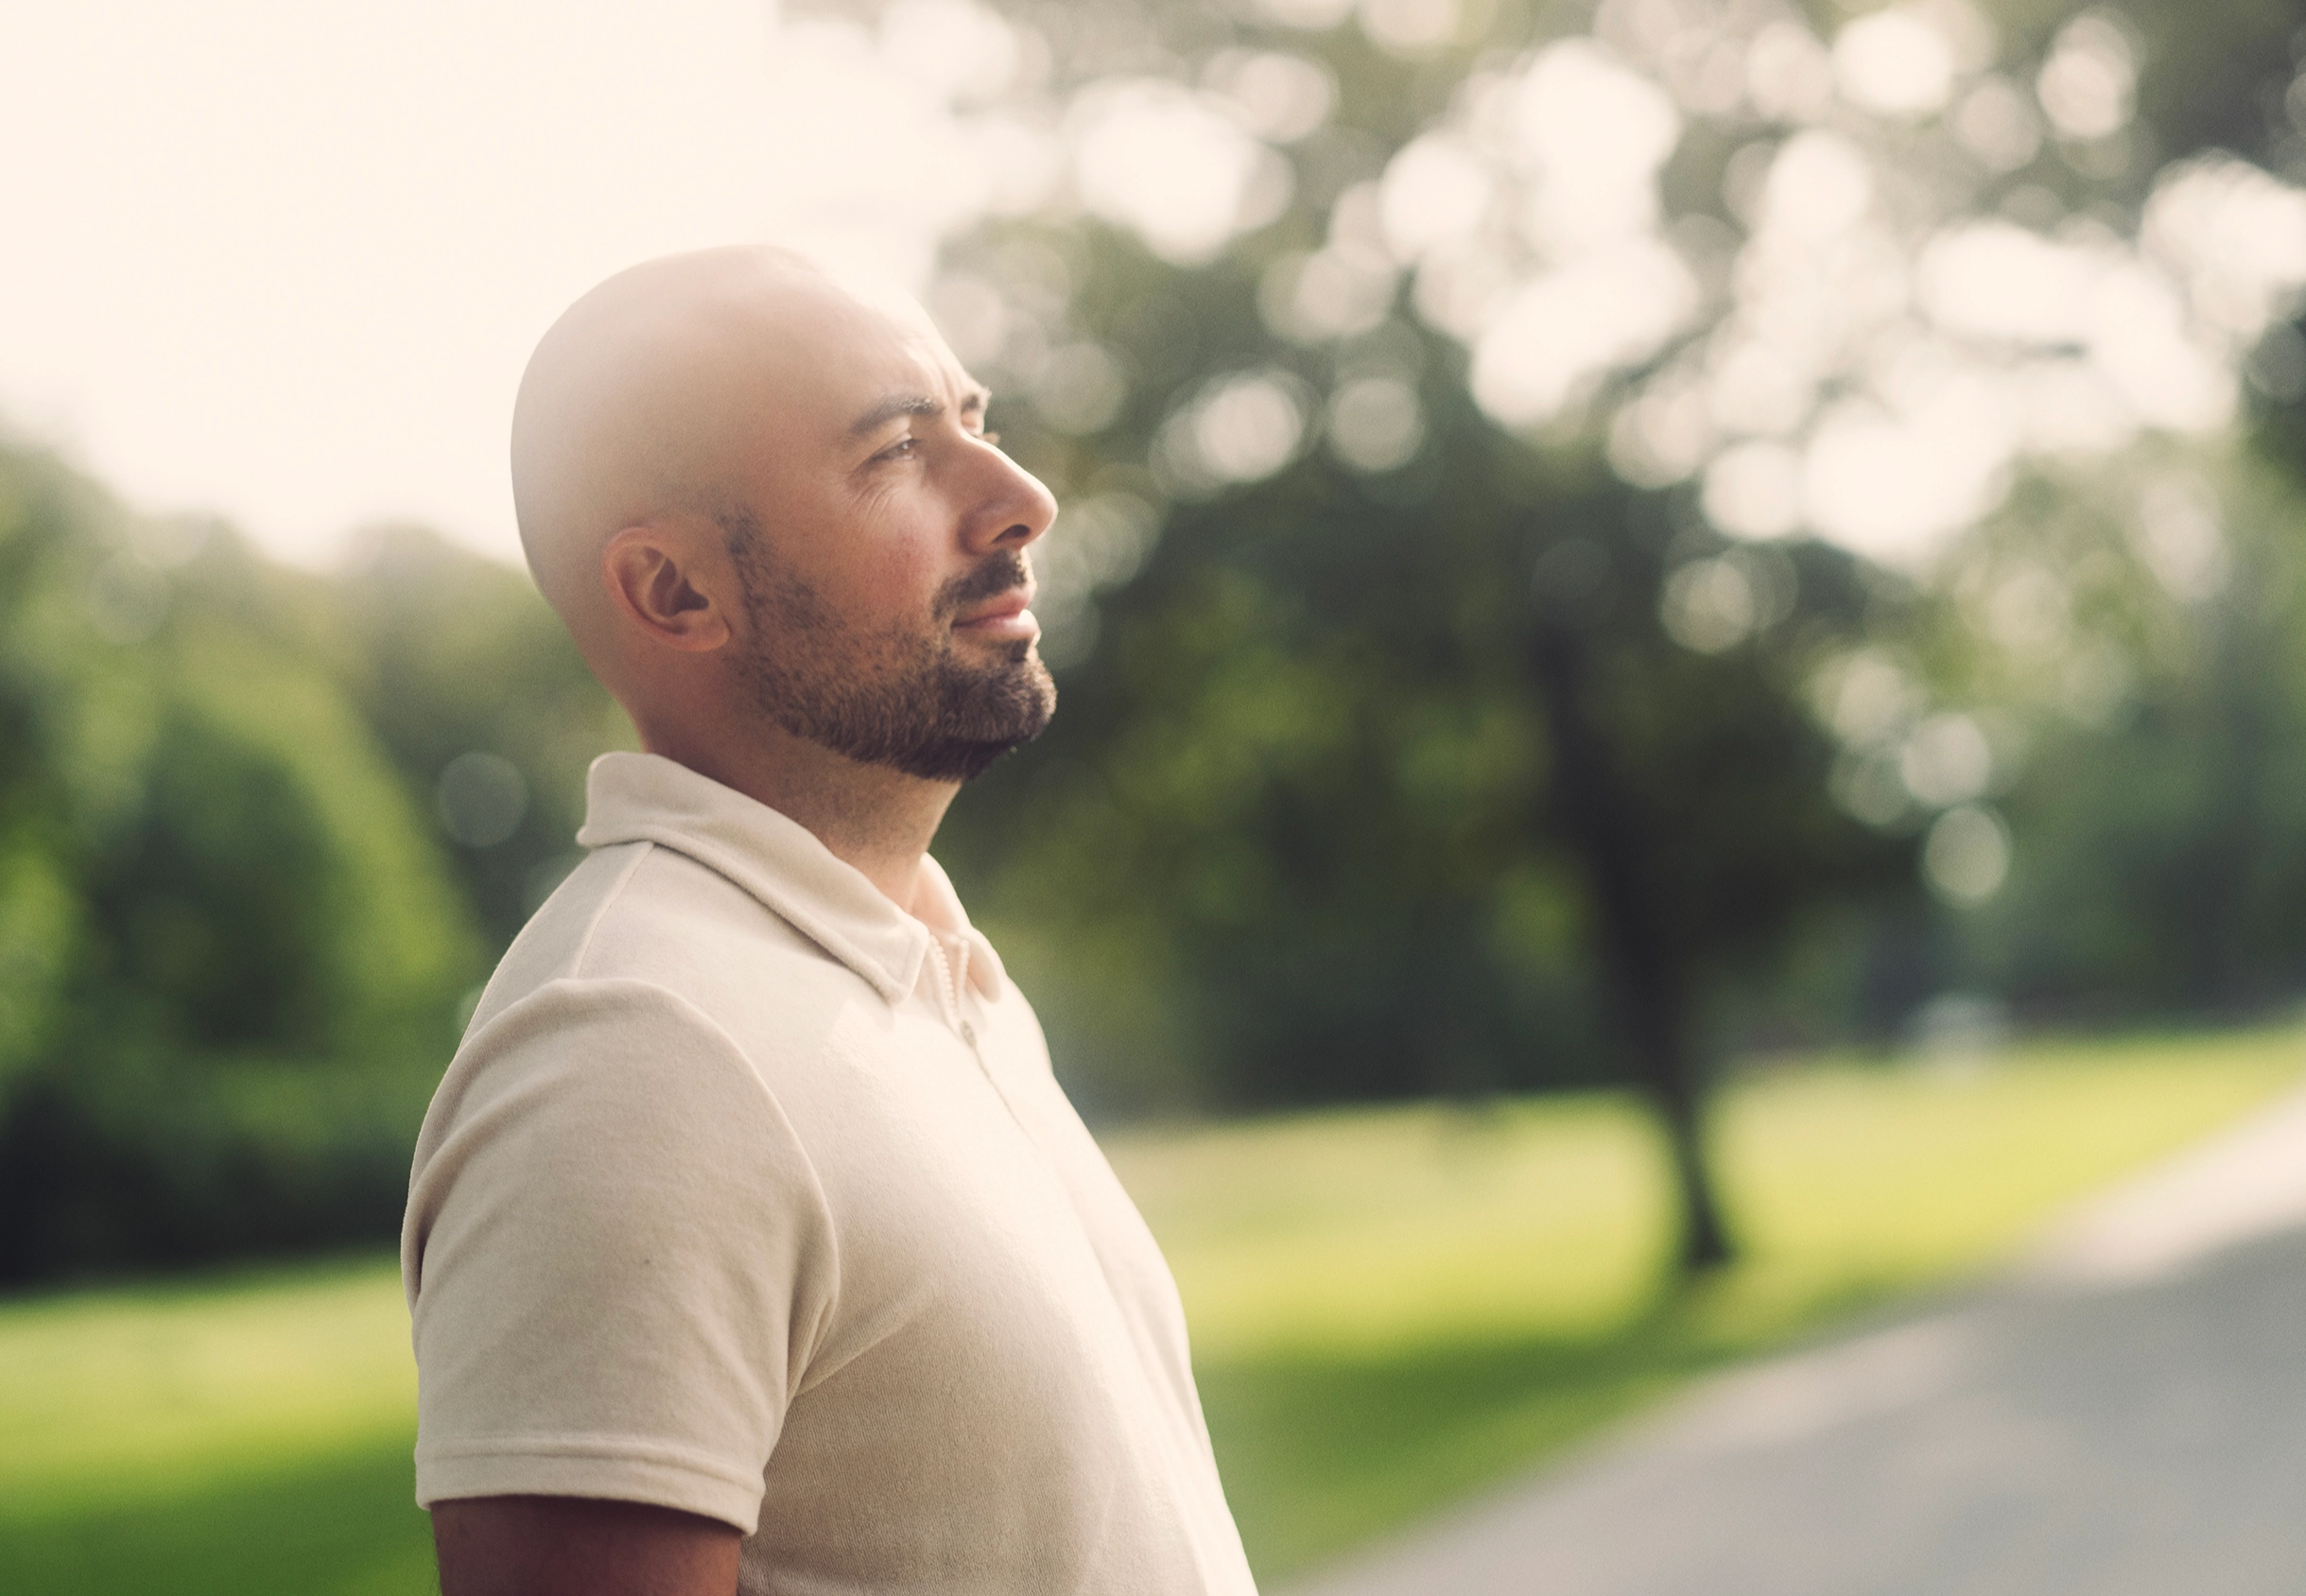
[1679,625]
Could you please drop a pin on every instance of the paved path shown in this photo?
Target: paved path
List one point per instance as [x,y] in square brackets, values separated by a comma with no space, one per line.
[2123,1414]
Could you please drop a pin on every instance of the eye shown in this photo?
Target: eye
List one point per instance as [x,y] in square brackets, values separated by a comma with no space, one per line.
[904,449]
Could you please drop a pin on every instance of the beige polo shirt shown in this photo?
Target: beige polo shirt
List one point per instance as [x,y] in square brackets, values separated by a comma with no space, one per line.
[752,1195]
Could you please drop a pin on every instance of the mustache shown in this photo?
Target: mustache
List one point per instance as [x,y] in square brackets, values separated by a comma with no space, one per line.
[1002,573]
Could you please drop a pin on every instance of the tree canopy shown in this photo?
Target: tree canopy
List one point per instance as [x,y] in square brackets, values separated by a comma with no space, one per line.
[1597,540]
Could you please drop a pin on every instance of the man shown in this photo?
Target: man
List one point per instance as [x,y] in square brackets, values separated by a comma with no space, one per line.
[751,1246]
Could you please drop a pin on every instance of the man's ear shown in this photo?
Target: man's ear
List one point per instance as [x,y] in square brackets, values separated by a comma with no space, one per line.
[670,585]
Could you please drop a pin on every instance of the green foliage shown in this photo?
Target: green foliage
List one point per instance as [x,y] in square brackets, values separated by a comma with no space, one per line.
[1371,779]
[234,957]
[235,929]
[2162,842]
[1299,830]
[456,655]
[1315,821]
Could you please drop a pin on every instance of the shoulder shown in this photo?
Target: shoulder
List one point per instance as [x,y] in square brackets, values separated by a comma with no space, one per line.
[641,912]
[587,1063]
[609,1106]
[617,1255]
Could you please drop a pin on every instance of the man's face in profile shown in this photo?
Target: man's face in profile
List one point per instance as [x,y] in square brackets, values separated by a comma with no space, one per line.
[882,558]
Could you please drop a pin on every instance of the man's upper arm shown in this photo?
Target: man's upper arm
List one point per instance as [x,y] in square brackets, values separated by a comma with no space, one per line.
[573,1546]
[618,1253]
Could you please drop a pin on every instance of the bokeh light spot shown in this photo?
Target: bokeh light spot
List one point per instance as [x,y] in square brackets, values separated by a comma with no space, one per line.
[483,799]
[1967,856]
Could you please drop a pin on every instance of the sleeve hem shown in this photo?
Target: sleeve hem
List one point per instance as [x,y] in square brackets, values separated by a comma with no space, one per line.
[600,1467]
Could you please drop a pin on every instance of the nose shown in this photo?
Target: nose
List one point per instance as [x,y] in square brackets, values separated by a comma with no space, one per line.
[1012,508]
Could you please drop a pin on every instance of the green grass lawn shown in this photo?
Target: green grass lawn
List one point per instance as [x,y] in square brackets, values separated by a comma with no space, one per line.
[1391,1307]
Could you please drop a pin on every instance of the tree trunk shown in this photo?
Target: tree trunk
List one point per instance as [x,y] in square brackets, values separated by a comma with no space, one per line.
[1648,982]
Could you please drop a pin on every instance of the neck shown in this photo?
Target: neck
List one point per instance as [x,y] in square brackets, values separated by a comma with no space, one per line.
[877,818]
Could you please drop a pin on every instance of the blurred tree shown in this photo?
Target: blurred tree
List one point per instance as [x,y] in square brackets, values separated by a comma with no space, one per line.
[1399,686]
[485,708]
[1352,770]
[230,957]
[2159,836]
[1324,317]
[1566,506]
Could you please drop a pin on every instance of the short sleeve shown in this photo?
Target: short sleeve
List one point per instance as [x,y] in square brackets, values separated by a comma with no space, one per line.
[617,1257]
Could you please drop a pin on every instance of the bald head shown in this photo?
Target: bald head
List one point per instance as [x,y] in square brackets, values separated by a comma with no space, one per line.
[766,505]
[655,395]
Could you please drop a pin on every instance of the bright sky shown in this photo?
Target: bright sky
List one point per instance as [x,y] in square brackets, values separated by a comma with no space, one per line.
[284,261]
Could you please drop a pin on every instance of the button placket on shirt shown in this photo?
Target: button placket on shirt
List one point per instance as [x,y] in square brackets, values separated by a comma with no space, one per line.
[954,1000]
[949,990]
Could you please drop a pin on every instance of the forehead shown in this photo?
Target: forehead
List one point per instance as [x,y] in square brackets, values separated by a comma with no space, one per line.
[831,358]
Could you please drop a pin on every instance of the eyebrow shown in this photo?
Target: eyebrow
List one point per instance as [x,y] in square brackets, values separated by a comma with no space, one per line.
[898,404]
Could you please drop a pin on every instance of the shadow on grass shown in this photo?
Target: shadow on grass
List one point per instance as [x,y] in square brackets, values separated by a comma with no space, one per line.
[1323,1452]
[339,1525]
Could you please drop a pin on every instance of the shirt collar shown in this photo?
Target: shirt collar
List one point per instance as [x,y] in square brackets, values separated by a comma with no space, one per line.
[645,797]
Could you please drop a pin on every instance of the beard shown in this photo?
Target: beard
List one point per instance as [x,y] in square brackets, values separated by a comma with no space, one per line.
[902,699]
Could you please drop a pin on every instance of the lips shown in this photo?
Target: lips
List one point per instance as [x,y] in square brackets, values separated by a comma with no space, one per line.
[1004,618]
[1016,601]
[990,600]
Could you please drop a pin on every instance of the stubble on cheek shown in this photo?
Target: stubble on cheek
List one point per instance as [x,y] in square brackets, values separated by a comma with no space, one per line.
[895,697]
